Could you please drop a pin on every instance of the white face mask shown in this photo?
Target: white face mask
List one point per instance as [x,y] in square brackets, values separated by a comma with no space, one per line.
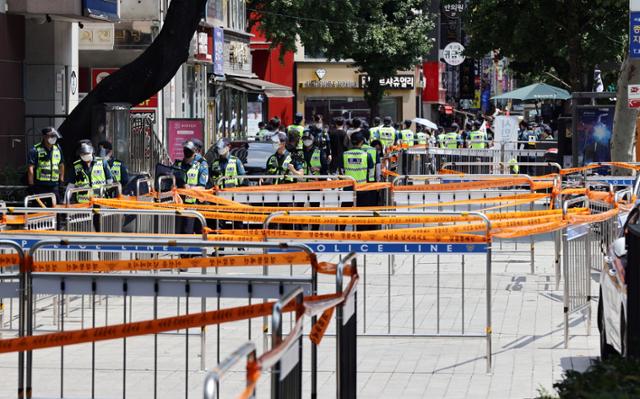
[223,151]
[276,146]
[52,140]
[86,157]
[307,143]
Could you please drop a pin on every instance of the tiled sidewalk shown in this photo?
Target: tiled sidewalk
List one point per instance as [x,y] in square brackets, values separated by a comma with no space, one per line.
[528,348]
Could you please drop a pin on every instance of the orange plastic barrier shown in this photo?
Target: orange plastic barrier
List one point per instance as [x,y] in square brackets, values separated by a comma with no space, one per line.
[92,266]
[7,260]
[474,185]
[156,326]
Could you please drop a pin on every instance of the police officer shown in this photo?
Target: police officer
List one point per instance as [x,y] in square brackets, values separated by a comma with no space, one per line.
[529,136]
[387,132]
[118,169]
[407,136]
[374,131]
[226,165]
[45,169]
[262,133]
[315,160]
[321,135]
[374,173]
[452,139]
[477,138]
[196,175]
[194,167]
[359,164]
[90,172]
[297,128]
[421,135]
[357,161]
[281,162]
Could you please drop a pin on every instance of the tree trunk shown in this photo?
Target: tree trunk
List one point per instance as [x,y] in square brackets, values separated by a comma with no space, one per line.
[574,48]
[624,123]
[144,76]
[373,93]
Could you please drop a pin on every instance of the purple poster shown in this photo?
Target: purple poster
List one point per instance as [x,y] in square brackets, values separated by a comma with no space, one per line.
[218,51]
[181,130]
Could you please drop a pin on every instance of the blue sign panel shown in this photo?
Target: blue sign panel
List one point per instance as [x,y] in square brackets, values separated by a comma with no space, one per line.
[634,34]
[106,10]
[395,248]
[218,51]
[615,180]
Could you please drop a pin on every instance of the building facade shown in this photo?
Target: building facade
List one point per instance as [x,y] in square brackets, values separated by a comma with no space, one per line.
[336,88]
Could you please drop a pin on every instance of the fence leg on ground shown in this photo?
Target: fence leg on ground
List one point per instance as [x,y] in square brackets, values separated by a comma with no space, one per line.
[346,344]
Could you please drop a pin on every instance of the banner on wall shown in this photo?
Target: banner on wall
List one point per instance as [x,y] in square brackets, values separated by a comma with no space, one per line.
[181,130]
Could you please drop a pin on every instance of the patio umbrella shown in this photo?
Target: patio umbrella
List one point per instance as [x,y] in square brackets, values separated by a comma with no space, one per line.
[426,122]
[536,91]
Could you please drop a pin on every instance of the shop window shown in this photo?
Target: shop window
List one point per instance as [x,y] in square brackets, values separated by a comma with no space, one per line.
[350,107]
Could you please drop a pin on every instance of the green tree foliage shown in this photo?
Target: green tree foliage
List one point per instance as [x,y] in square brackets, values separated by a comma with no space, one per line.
[380,36]
[616,378]
[565,38]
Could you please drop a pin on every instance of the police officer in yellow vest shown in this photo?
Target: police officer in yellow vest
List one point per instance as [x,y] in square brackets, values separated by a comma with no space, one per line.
[263,132]
[477,137]
[374,131]
[118,169]
[453,139]
[194,167]
[45,169]
[226,165]
[421,135]
[281,162]
[359,164]
[407,137]
[387,132]
[195,173]
[90,172]
[297,127]
[315,160]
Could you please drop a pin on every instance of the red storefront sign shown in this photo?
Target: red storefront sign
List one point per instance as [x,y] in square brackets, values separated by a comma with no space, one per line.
[432,92]
[97,74]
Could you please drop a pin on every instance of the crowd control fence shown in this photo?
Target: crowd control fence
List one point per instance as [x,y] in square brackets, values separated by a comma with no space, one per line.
[284,357]
[128,283]
[509,194]
[342,194]
[435,309]
[576,262]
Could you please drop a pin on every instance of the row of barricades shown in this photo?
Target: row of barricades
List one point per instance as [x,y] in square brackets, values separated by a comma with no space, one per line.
[23,277]
[449,240]
[532,158]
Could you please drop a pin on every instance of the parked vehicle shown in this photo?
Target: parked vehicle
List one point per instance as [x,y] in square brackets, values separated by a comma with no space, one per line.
[612,305]
[253,154]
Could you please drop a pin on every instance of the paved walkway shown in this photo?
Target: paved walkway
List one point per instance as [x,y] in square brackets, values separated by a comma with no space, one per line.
[528,347]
